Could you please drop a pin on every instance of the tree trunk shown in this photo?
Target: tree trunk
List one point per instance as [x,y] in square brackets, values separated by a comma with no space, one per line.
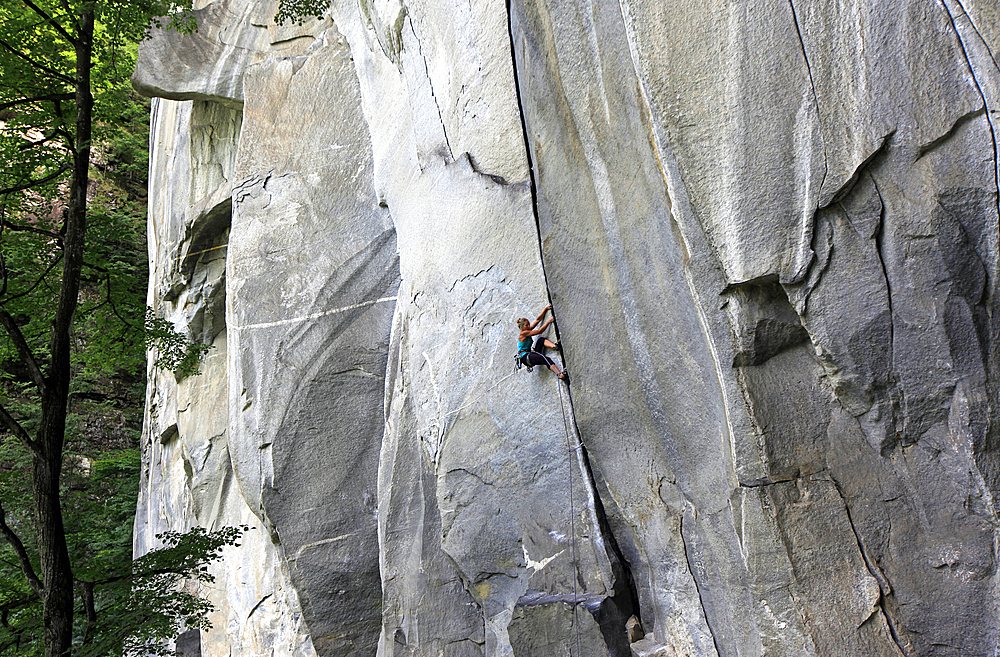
[56,571]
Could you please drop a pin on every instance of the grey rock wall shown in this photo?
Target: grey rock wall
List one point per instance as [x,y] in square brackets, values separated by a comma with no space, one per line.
[769,230]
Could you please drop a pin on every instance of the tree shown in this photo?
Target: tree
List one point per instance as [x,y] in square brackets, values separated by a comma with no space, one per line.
[122,607]
[56,57]
[297,11]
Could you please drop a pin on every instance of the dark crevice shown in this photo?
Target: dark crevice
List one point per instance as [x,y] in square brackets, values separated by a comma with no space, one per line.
[979,88]
[885,588]
[888,442]
[812,84]
[257,606]
[762,484]
[879,247]
[701,601]
[959,122]
[527,141]
[615,610]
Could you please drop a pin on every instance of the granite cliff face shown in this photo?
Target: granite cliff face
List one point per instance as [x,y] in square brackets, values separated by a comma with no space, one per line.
[769,230]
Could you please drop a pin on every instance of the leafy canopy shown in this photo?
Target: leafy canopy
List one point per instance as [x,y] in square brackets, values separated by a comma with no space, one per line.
[69,121]
[297,11]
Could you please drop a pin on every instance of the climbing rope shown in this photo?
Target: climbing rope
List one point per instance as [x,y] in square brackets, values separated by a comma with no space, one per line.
[571,452]
[485,392]
[184,256]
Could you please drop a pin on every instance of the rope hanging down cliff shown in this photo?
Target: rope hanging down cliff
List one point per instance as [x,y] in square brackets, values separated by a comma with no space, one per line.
[570,453]
[529,356]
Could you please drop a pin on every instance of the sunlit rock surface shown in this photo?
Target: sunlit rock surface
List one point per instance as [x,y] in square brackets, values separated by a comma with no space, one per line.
[770,233]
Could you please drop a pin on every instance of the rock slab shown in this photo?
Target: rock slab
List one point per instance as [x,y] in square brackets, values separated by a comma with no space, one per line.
[770,233]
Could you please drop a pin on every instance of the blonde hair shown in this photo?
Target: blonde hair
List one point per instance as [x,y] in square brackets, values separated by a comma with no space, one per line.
[522,323]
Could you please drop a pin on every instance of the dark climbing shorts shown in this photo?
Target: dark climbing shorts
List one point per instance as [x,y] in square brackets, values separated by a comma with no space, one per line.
[535,358]
[537,355]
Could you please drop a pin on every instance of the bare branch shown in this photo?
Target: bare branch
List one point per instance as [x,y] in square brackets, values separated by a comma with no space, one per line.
[114,308]
[30,229]
[51,21]
[36,99]
[32,183]
[41,67]
[22,554]
[23,350]
[7,420]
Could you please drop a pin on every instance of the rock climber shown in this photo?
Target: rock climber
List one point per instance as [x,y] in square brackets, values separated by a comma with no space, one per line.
[529,355]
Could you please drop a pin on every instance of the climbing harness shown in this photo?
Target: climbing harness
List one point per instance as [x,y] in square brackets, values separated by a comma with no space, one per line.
[521,358]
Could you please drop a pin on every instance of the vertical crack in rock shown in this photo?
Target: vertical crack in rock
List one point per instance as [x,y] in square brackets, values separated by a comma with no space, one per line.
[430,86]
[577,581]
[614,611]
[695,568]
[879,246]
[885,588]
[992,430]
[527,141]
[888,440]
[812,84]
[979,88]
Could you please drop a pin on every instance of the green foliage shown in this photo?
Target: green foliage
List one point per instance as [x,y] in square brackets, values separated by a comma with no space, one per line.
[139,605]
[175,352]
[155,603]
[297,11]
[118,604]
[37,89]
[35,143]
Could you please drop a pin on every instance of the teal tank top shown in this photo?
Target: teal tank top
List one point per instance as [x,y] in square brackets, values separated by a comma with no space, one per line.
[523,346]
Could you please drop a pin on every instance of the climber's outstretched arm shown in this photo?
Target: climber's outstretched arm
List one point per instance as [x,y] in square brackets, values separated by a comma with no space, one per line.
[539,318]
[525,334]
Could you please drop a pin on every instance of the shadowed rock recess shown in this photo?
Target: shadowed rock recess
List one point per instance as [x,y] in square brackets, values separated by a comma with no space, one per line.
[769,230]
